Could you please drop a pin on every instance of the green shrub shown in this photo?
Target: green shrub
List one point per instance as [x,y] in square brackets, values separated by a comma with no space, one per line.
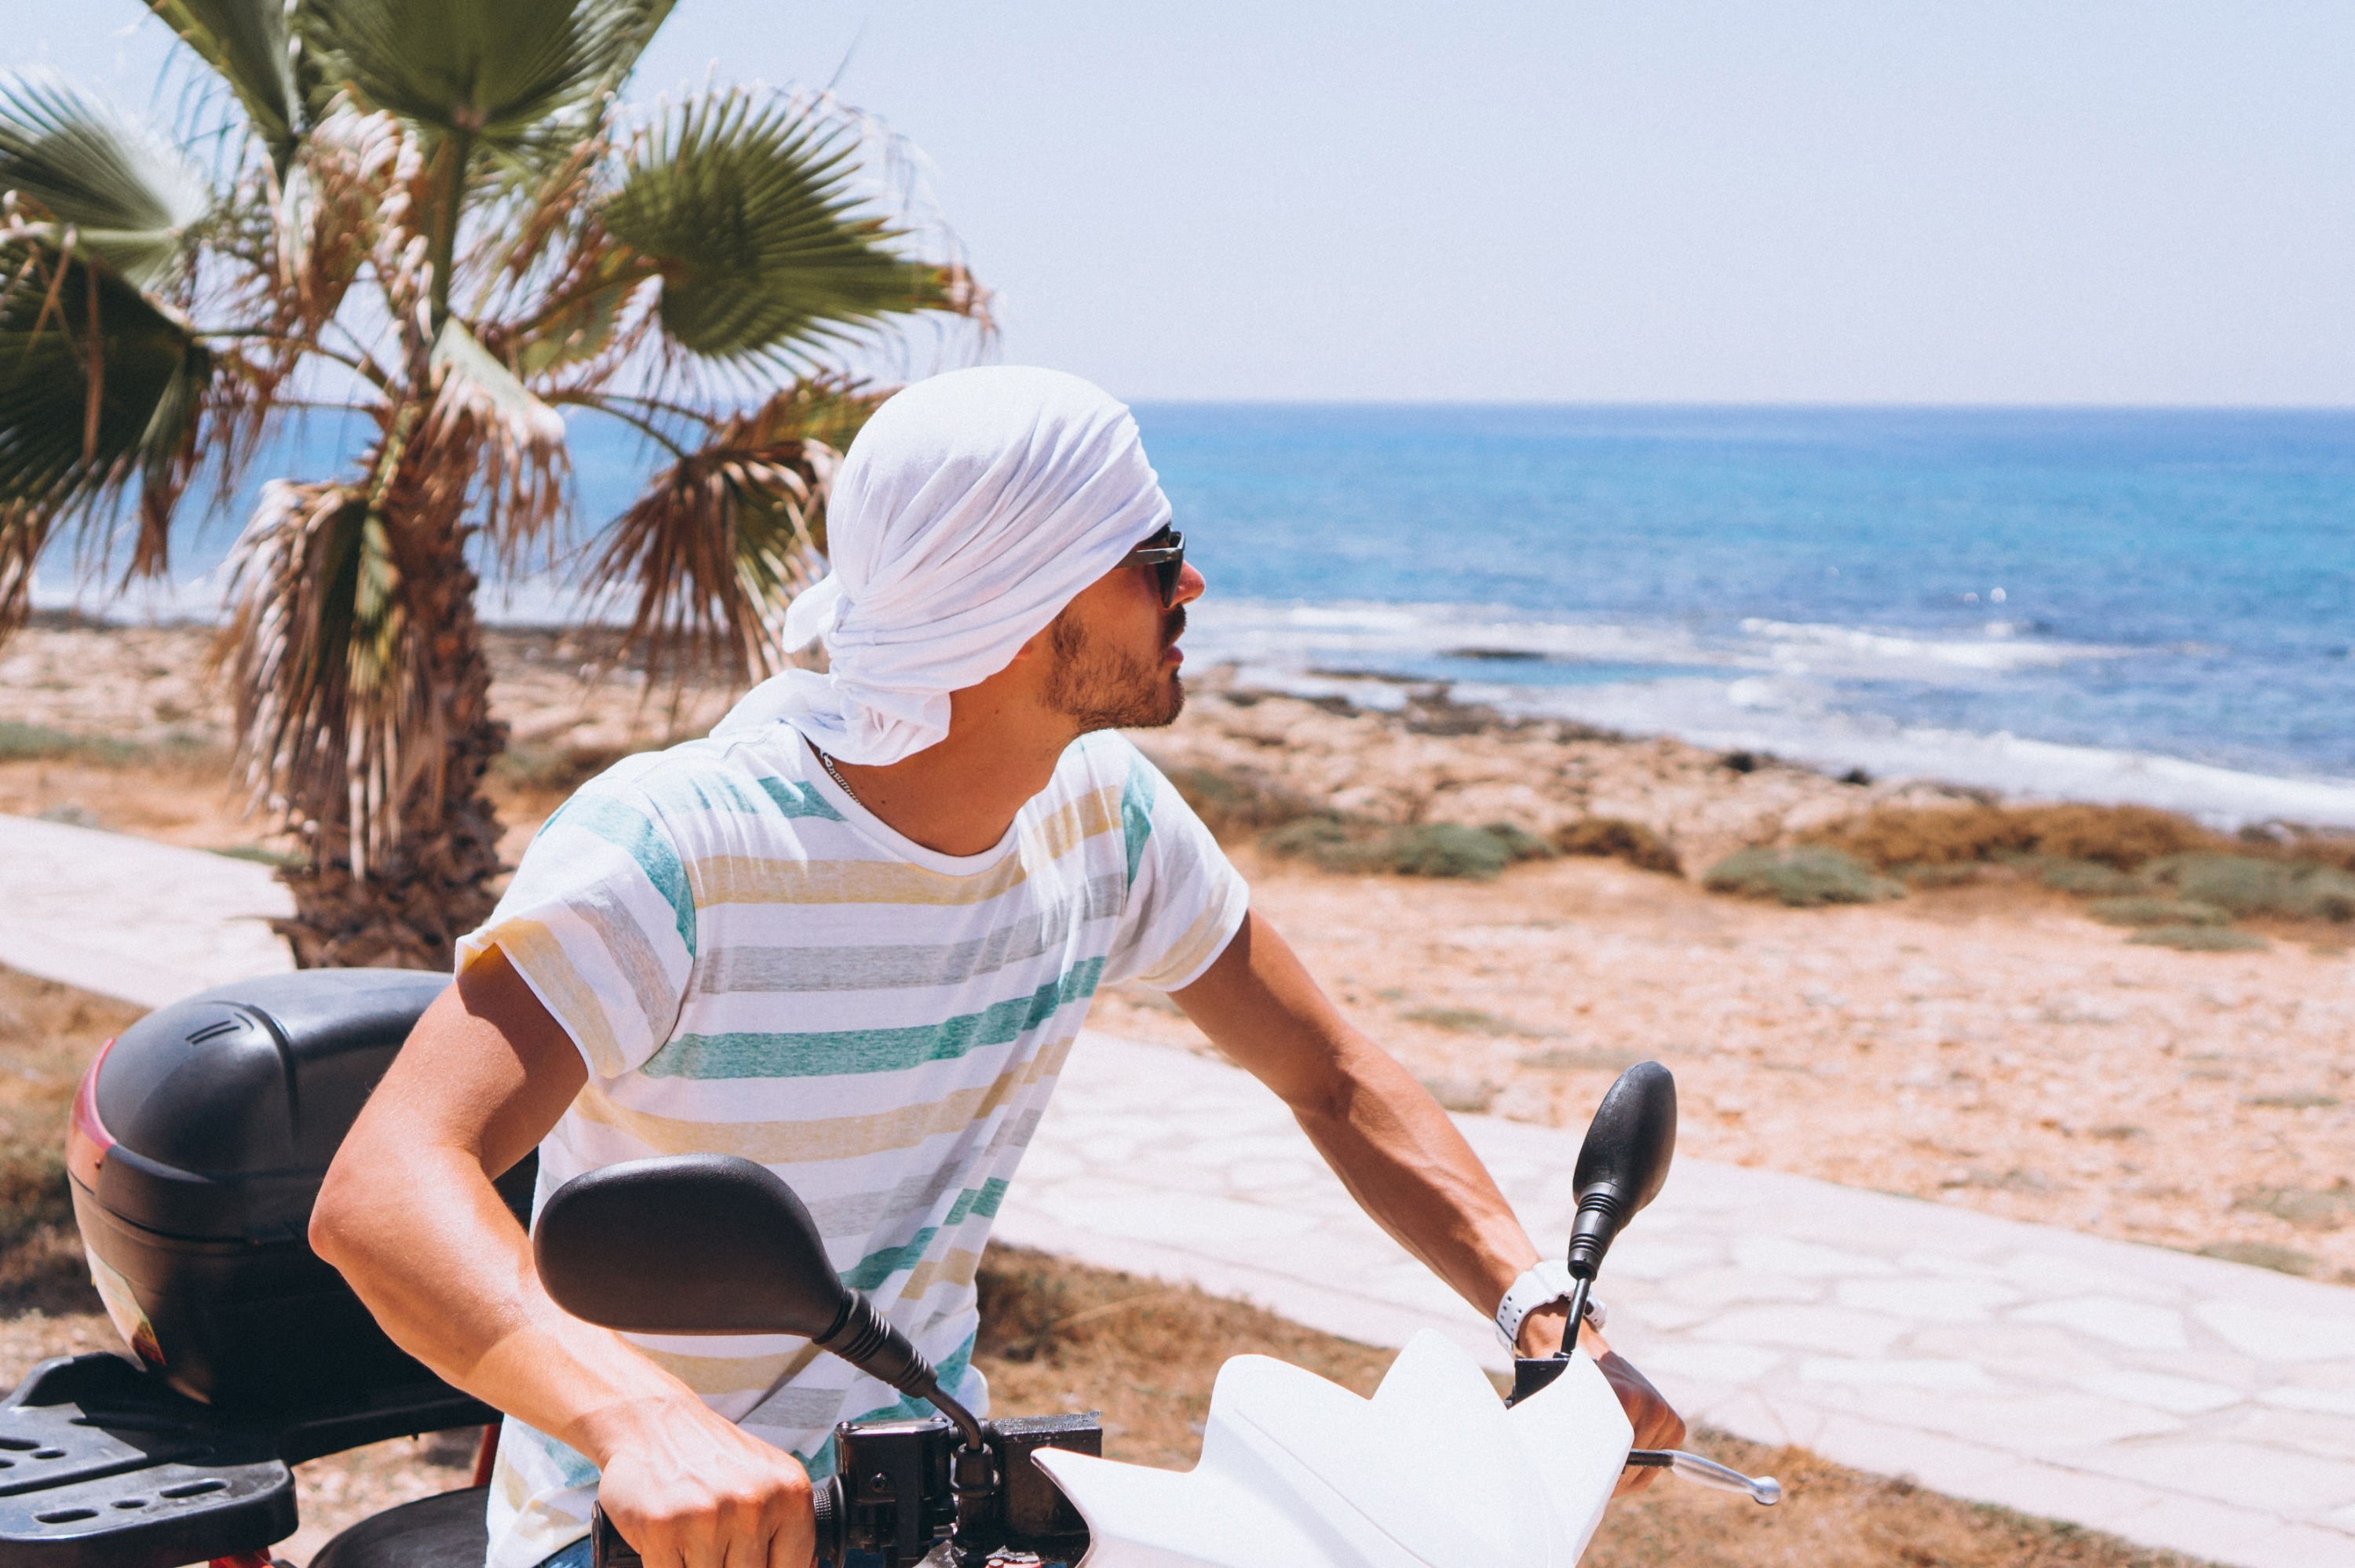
[1918,875]
[1519,843]
[1236,801]
[1803,877]
[1471,1020]
[21,742]
[1442,848]
[1427,849]
[1619,839]
[2087,878]
[2326,893]
[1324,842]
[2200,940]
[1589,1059]
[2245,885]
[2147,911]
[2309,1208]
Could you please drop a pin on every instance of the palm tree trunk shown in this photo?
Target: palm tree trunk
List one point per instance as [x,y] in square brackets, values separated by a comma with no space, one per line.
[433,886]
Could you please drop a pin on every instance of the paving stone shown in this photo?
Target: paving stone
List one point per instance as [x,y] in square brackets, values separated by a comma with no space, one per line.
[2179,1395]
[2044,1424]
[2271,1335]
[2134,1324]
[1738,1287]
[1944,1266]
[2055,1491]
[2034,1353]
[1934,1376]
[1806,1328]
[1774,1254]
[1688,1357]
[1649,1257]
[2328,1401]
[2244,1475]
[2066,1270]
[1928,1301]
[1881,1449]
[2220,1532]
[2323,1435]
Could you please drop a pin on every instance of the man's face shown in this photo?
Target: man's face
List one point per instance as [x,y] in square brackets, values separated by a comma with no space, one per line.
[1113,652]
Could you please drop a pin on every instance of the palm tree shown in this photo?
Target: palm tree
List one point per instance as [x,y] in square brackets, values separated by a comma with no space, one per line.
[436,220]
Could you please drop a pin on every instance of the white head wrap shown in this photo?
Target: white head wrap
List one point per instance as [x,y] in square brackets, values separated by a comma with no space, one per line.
[972,508]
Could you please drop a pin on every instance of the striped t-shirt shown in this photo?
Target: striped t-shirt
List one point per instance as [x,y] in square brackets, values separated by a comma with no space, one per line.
[752,964]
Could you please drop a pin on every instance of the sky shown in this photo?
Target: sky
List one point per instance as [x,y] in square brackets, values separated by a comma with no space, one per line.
[1834,201]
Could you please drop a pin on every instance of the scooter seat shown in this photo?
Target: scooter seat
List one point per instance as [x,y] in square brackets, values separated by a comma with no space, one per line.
[444,1531]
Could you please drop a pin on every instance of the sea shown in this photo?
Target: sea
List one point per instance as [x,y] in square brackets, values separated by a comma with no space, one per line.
[2152,606]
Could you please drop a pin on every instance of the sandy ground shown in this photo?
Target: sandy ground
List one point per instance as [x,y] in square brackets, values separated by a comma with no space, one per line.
[1985,1044]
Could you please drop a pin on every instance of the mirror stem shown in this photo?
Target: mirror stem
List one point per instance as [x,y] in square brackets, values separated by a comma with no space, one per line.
[969,1429]
[865,1338]
[1578,1294]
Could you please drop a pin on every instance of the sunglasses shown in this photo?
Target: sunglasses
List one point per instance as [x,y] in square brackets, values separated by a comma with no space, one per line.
[1165,552]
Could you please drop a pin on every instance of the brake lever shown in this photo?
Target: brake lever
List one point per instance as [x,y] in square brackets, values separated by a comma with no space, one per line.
[1765,1490]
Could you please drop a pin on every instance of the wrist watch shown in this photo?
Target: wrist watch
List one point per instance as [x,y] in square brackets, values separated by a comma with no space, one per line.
[1547,1282]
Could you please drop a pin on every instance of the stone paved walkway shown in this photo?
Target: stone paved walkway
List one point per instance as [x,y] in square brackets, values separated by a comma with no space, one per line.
[2177,1401]
[2174,1400]
[127,918]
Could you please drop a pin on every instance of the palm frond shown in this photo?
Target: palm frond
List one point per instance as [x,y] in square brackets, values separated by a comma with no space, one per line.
[247,42]
[486,418]
[100,388]
[69,164]
[494,74]
[721,540]
[326,664]
[747,205]
[23,535]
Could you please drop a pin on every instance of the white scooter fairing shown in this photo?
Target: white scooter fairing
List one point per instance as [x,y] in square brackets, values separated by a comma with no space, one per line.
[1433,1472]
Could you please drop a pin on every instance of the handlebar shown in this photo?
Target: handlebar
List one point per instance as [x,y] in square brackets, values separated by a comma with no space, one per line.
[1765,1490]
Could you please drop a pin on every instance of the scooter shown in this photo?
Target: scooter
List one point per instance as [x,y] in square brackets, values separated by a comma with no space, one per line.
[197,1142]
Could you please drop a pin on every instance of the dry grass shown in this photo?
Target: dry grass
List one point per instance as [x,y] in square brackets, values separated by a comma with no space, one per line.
[2123,837]
[48,1033]
[1618,839]
[1060,1336]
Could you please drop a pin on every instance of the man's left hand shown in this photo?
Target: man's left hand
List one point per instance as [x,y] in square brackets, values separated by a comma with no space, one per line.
[1657,1423]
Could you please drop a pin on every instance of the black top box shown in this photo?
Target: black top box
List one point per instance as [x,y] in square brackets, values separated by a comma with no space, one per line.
[198,1144]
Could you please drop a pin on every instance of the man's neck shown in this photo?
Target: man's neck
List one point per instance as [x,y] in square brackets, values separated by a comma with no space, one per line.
[960,796]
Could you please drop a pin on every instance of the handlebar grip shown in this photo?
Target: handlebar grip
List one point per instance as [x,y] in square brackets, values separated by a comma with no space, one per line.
[608,1550]
[606,1547]
[1763,1489]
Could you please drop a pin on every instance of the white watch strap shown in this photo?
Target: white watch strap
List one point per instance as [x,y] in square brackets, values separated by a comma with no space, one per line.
[1547,1282]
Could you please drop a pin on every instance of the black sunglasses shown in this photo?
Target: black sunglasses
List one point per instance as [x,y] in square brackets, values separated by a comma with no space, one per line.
[1165,552]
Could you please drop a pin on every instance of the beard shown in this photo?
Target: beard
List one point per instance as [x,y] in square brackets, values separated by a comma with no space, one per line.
[1108,688]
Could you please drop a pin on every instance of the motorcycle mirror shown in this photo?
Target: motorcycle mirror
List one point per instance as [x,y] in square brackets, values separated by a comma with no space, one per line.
[697,1243]
[712,1243]
[1624,1162]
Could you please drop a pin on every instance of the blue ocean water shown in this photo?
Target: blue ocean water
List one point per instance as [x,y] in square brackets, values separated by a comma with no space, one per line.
[2111,604]
[2014,596]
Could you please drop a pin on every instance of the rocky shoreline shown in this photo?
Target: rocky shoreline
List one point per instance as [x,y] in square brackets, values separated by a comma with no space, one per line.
[1435,760]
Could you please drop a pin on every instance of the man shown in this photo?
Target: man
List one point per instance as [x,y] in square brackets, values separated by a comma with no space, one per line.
[852,935]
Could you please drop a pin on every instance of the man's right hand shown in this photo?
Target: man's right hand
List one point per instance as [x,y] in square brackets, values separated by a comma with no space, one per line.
[690,1490]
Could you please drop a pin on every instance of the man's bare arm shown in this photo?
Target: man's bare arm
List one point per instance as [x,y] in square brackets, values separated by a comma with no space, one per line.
[1391,1145]
[409,1215]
